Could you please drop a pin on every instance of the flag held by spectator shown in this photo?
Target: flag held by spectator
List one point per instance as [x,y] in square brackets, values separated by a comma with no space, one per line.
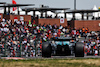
[14,2]
[29,22]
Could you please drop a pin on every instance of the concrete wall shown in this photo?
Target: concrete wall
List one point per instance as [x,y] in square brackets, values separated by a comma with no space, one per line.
[93,25]
[1,17]
[7,17]
[52,21]
[26,17]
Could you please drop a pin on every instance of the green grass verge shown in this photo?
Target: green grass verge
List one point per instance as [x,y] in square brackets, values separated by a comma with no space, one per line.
[51,63]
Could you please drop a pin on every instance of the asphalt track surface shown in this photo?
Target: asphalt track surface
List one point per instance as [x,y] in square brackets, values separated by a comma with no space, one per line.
[52,57]
[63,57]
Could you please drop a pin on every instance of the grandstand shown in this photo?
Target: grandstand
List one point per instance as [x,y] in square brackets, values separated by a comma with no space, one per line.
[22,35]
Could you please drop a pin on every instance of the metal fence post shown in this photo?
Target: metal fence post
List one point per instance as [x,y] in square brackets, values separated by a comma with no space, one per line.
[5,46]
[35,46]
[20,46]
[36,40]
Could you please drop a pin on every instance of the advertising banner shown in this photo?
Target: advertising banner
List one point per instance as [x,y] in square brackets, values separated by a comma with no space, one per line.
[21,18]
[15,19]
[62,20]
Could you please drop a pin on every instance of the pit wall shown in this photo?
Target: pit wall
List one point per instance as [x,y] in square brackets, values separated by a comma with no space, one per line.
[52,21]
[93,25]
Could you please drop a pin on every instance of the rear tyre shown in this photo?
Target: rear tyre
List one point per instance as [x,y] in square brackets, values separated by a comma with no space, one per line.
[79,49]
[46,49]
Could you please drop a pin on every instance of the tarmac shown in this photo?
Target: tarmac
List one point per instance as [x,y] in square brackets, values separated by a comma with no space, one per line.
[52,57]
[65,57]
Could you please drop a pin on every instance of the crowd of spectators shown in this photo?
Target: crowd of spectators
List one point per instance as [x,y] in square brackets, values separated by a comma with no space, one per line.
[25,38]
